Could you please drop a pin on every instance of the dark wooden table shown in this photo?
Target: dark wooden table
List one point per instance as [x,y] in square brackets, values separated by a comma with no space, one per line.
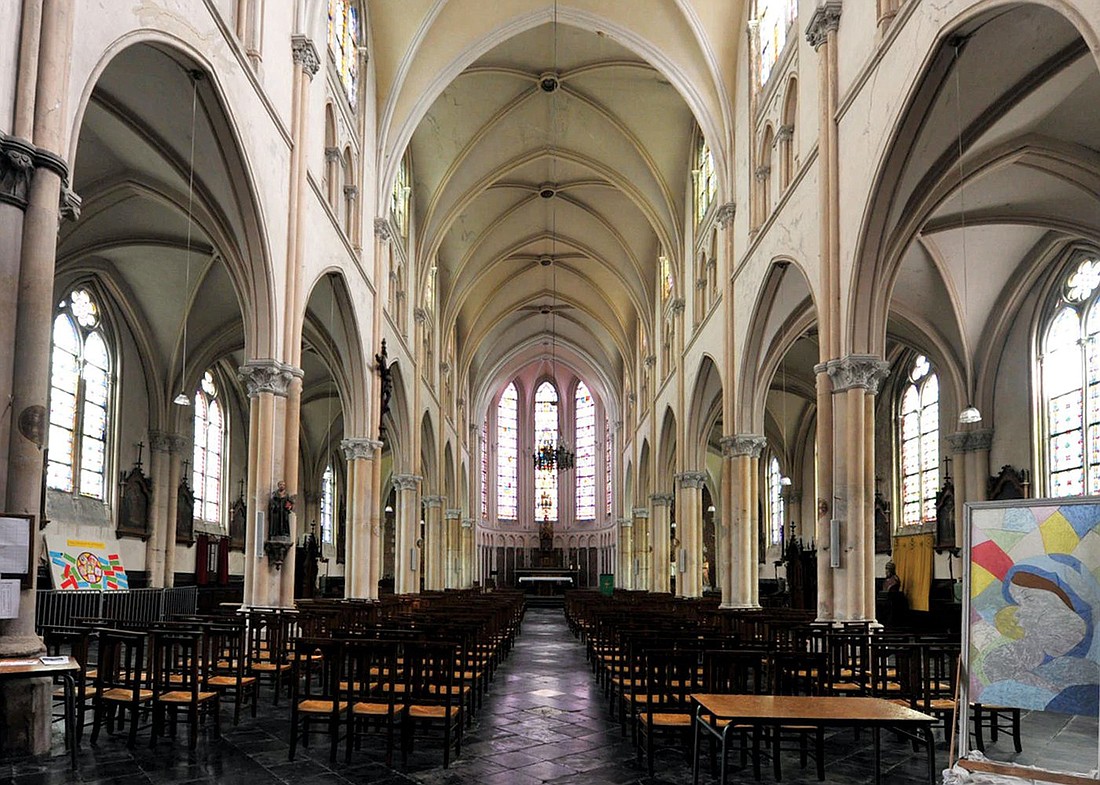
[800,710]
[34,668]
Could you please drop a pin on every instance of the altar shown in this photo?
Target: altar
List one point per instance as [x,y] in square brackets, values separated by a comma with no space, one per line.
[546,582]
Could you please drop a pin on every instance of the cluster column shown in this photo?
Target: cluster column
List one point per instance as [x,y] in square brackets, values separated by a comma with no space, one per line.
[407,552]
[660,540]
[743,453]
[971,450]
[625,568]
[360,558]
[434,537]
[642,551]
[689,530]
[452,557]
[178,447]
[469,558]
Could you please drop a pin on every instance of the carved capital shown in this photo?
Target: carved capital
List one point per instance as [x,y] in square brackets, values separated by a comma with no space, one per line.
[267,376]
[676,306]
[631,398]
[420,315]
[359,449]
[857,370]
[743,444]
[383,230]
[971,441]
[452,514]
[406,482]
[351,191]
[762,173]
[445,368]
[725,215]
[432,501]
[626,523]
[640,512]
[467,523]
[305,54]
[650,360]
[332,154]
[178,444]
[159,441]
[784,133]
[691,479]
[824,20]
[19,159]
[662,499]
[700,283]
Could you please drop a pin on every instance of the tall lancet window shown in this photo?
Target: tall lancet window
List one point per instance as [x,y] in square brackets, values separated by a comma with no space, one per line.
[80,393]
[328,500]
[774,18]
[777,509]
[706,183]
[484,447]
[585,439]
[507,452]
[546,430]
[209,437]
[607,470]
[344,33]
[920,443]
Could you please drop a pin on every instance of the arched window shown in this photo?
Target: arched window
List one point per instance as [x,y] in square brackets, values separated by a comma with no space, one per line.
[919,443]
[776,504]
[585,439]
[484,445]
[80,395]
[773,19]
[209,437]
[328,498]
[706,183]
[344,32]
[546,431]
[607,470]
[507,452]
[1070,359]
[668,282]
[399,199]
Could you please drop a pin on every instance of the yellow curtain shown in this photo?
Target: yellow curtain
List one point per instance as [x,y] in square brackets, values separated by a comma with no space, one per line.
[913,559]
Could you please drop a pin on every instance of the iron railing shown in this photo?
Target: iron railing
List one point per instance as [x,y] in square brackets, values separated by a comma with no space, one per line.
[133,607]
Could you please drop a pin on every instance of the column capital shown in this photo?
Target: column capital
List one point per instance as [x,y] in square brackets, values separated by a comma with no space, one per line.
[452,514]
[406,482]
[351,191]
[267,376]
[676,306]
[383,230]
[762,173]
[650,360]
[332,154]
[467,523]
[824,20]
[432,501]
[971,441]
[725,214]
[784,133]
[794,497]
[640,512]
[626,523]
[177,443]
[359,449]
[420,315]
[305,54]
[658,499]
[18,161]
[691,479]
[160,441]
[748,444]
[857,370]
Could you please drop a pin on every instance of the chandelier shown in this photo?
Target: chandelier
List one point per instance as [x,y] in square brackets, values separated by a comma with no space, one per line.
[551,454]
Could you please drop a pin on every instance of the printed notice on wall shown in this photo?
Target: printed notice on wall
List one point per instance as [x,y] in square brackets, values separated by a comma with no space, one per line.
[9,599]
[14,536]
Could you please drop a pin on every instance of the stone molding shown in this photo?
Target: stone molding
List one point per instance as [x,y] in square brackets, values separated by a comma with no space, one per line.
[432,501]
[864,371]
[725,214]
[467,523]
[383,230]
[305,54]
[359,449]
[824,20]
[160,441]
[332,154]
[351,191]
[177,443]
[691,479]
[420,315]
[406,482]
[19,159]
[626,523]
[762,173]
[676,306]
[971,441]
[658,499]
[700,283]
[784,133]
[743,444]
[452,514]
[641,512]
[650,360]
[267,376]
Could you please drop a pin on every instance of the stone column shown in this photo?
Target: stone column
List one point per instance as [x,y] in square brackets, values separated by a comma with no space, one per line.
[690,531]
[625,568]
[643,555]
[159,446]
[452,548]
[179,449]
[743,454]
[794,513]
[266,382]
[359,570]
[971,450]
[434,537]
[855,382]
[469,558]
[659,538]
[407,554]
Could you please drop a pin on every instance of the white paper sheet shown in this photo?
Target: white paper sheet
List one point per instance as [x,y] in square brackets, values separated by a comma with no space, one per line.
[14,535]
[9,599]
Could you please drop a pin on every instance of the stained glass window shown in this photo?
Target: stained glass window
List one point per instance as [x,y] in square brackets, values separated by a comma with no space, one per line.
[328,497]
[484,445]
[667,282]
[607,470]
[80,394]
[919,438]
[585,438]
[546,430]
[706,183]
[773,18]
[399,199]
[209,439]
[507,452]
[343,44]
[776,504]
[1071,385]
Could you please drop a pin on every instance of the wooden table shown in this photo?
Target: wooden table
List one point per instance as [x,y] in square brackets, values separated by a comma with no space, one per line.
[33,668]
[819,712]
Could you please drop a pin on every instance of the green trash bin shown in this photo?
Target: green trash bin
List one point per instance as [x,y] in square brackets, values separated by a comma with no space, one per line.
[607,584]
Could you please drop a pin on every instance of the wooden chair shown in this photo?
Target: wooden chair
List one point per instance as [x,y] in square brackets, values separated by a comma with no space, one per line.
[431,698]
[939,664]
[374,700]
[178,681]
[74,642]
[670,677]
[226,666]
[267,649]
[317,695]
[998,719]
[799,673]
[120,683]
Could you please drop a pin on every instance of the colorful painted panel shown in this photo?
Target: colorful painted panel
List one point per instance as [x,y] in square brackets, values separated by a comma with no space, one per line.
[82,564]
[1034,603]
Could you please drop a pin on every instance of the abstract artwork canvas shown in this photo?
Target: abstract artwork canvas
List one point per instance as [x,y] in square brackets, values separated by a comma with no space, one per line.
[82,564]
[1034,603]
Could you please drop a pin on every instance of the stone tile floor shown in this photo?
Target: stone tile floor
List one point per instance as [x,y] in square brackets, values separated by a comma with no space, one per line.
[544,720]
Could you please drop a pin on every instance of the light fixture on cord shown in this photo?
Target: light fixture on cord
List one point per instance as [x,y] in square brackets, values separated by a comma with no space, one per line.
[970,414]
[183,399]
[784,480]
[554,453]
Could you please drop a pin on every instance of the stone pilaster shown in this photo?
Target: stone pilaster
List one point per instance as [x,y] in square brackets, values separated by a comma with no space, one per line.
[689,529]
[434,538]
[361,570]
[660,538]
[743,452]
[643,556]
[624,570]
[407,557]
[159,449]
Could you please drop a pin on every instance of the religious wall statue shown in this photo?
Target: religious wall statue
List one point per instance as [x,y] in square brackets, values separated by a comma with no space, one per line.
[282,505]
[546,535]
